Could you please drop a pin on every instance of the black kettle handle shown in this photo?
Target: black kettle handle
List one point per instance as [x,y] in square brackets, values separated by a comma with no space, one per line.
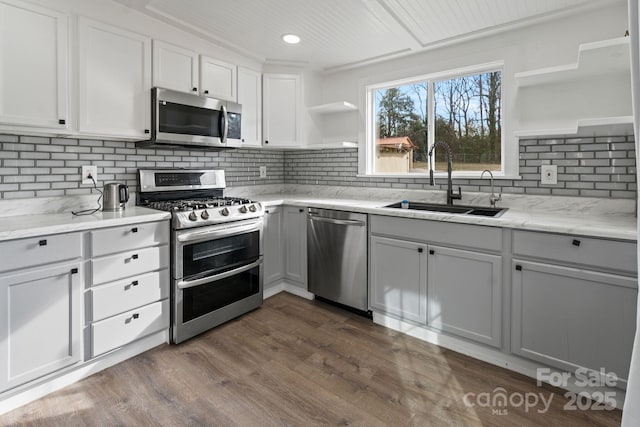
[124,193]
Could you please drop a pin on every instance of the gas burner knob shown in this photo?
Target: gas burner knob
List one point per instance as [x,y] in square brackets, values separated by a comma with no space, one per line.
[225,212]
[204,215]
[252,208]
[193,216]
[243,209]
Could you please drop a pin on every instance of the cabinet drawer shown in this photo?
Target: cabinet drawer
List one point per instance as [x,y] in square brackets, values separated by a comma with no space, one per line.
[466,235]
[127,264]
[39,250]
[117,297]
[118,239]
[124,328]
[591,252]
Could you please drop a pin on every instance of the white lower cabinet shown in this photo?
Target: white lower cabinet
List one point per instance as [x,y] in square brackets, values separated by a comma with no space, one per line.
[273,245]
[569,317]
[465,293]
[41,322]
[399,278]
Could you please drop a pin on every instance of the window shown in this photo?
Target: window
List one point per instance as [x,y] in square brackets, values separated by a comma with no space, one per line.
[407,117]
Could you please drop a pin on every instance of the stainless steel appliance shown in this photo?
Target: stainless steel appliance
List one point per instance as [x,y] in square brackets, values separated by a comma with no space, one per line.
[115,196]
[183,119]
[337,256]
[216,247]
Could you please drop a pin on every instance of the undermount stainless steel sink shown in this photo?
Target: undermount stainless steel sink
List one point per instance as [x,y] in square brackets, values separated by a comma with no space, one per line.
[456,209]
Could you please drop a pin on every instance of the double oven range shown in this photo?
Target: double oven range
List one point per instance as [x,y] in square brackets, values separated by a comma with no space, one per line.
[216,247]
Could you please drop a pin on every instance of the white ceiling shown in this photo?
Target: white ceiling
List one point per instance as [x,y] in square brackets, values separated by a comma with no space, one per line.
[338,34]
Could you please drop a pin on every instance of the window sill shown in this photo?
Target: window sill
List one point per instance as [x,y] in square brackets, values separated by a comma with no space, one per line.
[461,175]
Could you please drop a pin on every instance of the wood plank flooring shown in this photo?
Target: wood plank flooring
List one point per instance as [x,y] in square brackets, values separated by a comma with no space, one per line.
[295,362]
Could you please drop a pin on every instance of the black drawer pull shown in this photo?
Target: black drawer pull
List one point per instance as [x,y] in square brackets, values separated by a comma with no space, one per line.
[195,89]
[134,283]
[518,268]
[420,250]
[74,271]
[62,122]
[134,256]
[134,230]
[266,211]
[206,92]
[135,315]
[43,242]
[147,131]
[266,142]
[432,252]
[301,210]
[575,242]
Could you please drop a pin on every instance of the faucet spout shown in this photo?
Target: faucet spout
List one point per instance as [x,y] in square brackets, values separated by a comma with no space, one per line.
[492,198]
[451,196]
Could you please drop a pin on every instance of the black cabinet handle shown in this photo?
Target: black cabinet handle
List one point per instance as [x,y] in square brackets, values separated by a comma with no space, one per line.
[266,142]
[74,271]
[432,252]
[518,268]
[134,283]
[266,211]
[135,315]
[242,140]
[134,230]
[206,92]
[420,250]
[301,210]
[62,122]
[43,242]
[575,242]
[134,256]
[195,89]
[147,131]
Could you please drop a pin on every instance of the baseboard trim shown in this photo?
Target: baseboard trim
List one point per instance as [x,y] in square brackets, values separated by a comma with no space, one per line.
[284,286]
[37,389]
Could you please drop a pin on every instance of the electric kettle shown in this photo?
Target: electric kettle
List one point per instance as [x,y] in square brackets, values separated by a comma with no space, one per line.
[115,196]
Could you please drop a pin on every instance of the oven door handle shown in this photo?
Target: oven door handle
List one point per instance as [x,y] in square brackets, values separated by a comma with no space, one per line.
[228,231]
[183,284]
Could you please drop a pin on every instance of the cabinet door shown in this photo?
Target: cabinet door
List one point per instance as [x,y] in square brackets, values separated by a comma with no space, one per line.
[273,245]
[250,97]
[572,318]
[33,63]
[175,67]
[464,291]
[115,81]
[295,264]
[40,322]
[282,101]
[398,278]
[217,79]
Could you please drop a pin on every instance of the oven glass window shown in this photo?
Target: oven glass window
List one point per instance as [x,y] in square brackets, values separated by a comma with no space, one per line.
[200,300]
[189,120]
[219,255]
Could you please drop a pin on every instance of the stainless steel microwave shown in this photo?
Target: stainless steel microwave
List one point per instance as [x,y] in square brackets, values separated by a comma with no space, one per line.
[184,120]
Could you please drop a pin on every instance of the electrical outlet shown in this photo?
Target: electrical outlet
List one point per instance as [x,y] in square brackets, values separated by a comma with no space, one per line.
[263,171]
[548,174]
[87,171]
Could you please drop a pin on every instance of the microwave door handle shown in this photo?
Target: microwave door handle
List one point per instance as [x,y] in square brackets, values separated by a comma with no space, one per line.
[183,284]
[224,125]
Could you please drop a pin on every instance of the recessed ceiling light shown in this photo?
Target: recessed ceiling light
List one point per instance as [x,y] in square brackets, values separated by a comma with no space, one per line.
[291,38]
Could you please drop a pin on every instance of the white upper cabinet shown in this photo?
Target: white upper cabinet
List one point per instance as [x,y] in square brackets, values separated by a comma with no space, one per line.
[281,104]
[250,97]
[175,67]
[217,79]
[115,81]
[34,66]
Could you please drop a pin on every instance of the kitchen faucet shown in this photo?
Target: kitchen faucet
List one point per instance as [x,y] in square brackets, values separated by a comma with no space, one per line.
[451,196]
[492,198]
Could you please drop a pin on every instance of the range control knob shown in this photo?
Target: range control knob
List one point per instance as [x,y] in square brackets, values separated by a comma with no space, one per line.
[243,209]
[204,215]
[225,212]
[193,216]
[252,208]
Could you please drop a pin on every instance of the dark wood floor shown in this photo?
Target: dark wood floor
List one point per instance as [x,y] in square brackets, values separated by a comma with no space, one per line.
[297,363]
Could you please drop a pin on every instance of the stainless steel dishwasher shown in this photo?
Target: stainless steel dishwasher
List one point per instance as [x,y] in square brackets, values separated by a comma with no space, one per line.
[337,256]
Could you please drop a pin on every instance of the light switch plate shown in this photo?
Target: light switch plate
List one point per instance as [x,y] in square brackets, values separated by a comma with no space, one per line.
[548,174]
[263,171]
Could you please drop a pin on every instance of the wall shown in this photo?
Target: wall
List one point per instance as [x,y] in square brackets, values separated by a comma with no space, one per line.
[43,167]
[587,167]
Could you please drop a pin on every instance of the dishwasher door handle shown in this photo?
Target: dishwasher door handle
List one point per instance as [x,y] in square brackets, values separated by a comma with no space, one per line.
[337,221]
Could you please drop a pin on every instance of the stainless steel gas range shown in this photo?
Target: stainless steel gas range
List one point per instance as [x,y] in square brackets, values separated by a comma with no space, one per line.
[216,247]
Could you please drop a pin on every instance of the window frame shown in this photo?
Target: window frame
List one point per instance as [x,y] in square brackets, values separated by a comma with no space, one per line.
[369,88]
